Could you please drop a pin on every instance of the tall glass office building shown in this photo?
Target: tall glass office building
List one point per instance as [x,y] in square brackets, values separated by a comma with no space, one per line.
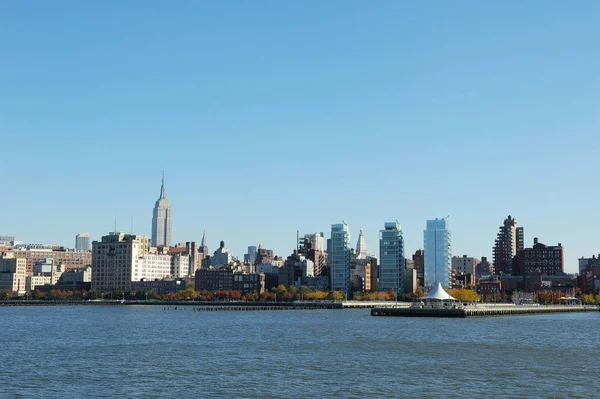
[82,242]
[391,258]
[438,254]
[339,258]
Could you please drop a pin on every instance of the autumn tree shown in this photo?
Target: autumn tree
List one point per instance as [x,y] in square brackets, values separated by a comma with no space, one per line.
[545,297]
[188,293]
[464,295]
[419,292]
[335,296]
[588,299]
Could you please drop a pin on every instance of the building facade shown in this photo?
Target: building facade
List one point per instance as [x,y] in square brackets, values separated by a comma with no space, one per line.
[391,258]
[70,259]
[221,256]
[227,280]
[82,242]
[465,268]
[161,287]
[162,218]
[114,260]
[509,241]
[419,265]
[12,273]
[117,260]
[308,245]
[360,274]
[250,257]
[438,254]
[339,258]
[540,260]
[484,268]
[180,265]
[585,263]
[153,266]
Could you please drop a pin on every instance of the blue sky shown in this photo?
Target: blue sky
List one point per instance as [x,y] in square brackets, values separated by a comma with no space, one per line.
[270,117]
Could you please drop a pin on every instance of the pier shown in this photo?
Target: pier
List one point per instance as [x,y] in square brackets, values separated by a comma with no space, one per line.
[480,311]
[214,305]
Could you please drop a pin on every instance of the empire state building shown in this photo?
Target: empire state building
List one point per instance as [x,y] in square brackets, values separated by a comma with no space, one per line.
[161,219]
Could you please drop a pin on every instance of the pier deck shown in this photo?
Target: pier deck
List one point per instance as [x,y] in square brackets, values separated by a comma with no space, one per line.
[480,311]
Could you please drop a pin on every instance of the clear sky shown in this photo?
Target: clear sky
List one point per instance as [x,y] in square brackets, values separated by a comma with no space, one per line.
[275,116]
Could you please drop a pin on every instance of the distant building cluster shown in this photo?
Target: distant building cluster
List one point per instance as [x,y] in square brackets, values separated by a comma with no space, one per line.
[121,261]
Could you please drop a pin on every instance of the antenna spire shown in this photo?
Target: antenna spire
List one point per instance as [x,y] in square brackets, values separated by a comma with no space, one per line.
[162,187]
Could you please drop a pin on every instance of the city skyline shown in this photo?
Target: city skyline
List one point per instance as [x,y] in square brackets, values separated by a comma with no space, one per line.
[568,267]
[242,109]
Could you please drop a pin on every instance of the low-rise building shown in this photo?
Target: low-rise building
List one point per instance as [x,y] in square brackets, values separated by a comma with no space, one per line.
[161,287]
[44,272]
[227,280]
[59,255]
[75,276]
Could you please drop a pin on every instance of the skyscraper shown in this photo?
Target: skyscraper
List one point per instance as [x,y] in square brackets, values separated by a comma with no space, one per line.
[340,258]
[391,258]
[161,219]
[509,241]
[361,246]
[438,254]
[82,242]
[204,245]
[250,257]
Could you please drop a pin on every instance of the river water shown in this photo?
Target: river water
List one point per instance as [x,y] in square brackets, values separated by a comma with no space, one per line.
[148,352]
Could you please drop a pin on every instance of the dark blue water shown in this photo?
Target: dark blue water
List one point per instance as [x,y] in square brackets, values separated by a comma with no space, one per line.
[138,351]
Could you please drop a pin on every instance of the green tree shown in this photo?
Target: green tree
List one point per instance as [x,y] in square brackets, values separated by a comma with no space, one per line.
[5,294]
[303,291]
[281,292]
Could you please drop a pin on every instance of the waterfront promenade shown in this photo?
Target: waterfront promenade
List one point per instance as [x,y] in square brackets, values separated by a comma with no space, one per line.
[218,305]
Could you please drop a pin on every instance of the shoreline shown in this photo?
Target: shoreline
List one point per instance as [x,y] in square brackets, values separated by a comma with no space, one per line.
[230,305]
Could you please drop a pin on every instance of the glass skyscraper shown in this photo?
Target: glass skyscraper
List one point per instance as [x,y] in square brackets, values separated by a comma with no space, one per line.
[438,254]
[339,258]
[391,258]
[82,242]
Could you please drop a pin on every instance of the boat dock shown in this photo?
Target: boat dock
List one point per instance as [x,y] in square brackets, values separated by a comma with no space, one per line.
[479,311]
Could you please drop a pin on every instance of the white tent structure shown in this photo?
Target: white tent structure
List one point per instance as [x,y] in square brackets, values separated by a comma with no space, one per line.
[438,294]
